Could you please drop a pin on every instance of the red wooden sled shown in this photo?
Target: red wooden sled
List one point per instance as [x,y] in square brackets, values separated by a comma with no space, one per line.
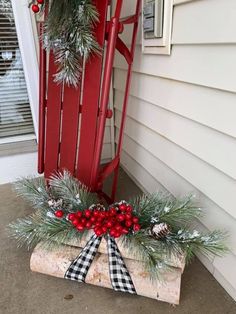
[72,121]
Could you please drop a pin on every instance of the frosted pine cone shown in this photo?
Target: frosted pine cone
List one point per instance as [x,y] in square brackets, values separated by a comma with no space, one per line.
[160,230]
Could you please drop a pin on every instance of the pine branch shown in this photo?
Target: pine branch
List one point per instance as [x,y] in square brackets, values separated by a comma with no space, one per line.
[42,227]
[151,252]
[69,64]
[212,243]
[74,194]
[34,190]
[179,212]
[69,32]
[155,208]
[26,231]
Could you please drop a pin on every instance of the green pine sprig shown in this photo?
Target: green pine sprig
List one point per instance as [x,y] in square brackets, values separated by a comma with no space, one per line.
[193,241]
[160,207]
[42,227]
[69,33]
[33,190]
[74,194]
[156,258]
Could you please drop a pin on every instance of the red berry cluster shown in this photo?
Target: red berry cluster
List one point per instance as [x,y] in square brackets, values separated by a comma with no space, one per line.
[35,7]
[116,221]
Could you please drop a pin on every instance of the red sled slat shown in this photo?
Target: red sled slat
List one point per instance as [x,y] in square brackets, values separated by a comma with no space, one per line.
[69,128]
[53,117]
[91,93]
[42,104]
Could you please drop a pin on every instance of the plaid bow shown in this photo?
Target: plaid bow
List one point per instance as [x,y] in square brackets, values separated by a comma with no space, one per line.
[119,275]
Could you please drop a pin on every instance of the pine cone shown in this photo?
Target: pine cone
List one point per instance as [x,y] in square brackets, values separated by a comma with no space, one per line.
[160,231]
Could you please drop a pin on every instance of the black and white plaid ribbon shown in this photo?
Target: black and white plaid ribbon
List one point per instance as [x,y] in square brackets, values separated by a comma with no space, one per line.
[79,267]
[119,275]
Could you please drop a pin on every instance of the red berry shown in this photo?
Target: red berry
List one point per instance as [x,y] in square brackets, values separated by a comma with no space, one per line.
[121,217]
[75,222]
[136,227]
[99,219]
[104,229]
[40,1]
[128,223]
[87,213]
[125,231]
[96,213]
[98,232]
[109,224]
[88,224]
[35,8]
[112,232]
[80,227]
[117,234]
[135,220]
[92,219]
[123,207]
[79,214]
[102,215]
[71,216]
[59,213]
[128,216]
[83,220]
[112,211]
[98,224]
[118,228]
[129,209]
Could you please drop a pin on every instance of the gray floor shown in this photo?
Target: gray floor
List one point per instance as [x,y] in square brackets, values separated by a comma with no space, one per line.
[23,292]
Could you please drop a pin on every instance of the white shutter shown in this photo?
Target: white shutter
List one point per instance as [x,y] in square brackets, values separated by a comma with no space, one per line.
[15,112]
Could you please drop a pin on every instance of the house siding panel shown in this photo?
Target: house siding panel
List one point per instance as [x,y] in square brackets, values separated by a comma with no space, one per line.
[181,132]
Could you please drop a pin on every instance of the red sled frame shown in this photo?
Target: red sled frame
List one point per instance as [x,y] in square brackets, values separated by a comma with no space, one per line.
[72,120]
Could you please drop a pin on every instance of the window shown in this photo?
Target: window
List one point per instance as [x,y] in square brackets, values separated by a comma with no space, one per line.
[15,112]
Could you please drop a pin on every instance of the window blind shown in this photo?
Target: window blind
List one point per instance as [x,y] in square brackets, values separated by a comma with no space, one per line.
[15,112]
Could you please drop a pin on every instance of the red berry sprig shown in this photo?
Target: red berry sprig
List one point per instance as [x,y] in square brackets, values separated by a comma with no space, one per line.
[59,213]
[35,6]
[116,221]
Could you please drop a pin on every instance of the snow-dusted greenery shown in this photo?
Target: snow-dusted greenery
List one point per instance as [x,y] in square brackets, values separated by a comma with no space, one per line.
[67,193]
[69,33]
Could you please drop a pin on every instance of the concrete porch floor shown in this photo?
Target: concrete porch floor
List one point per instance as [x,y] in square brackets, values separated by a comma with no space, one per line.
[24,292]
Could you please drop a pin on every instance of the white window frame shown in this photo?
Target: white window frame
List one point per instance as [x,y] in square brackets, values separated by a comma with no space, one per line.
[161,45]
[26,32]
[182,1]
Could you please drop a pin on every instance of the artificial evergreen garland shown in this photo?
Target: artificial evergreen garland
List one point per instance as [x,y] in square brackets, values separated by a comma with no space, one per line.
[69,33]
[155,227]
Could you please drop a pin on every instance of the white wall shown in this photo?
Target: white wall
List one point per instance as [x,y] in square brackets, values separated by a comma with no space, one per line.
[16,166]
[181,131]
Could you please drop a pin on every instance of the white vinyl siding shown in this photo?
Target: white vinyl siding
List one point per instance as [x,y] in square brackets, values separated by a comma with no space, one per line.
[180,133]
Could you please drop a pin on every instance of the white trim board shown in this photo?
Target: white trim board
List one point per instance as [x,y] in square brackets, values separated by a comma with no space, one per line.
[16,139]
[24,28]
[183,1]
[16,166]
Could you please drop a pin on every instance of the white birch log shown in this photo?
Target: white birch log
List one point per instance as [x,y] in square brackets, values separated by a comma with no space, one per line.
[56,261]
[178,262]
